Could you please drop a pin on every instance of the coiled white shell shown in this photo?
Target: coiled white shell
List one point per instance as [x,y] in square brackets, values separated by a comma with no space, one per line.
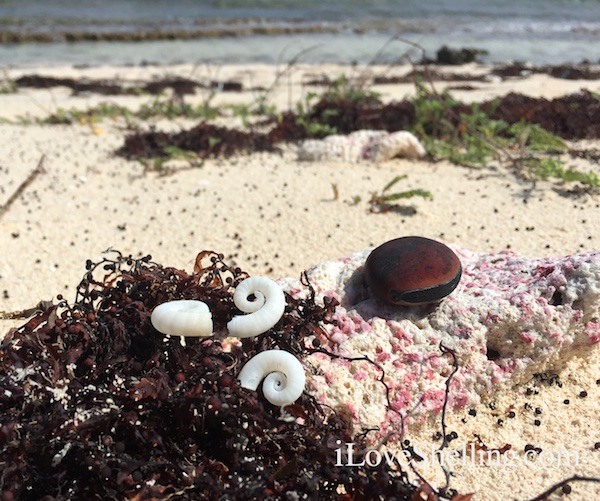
[264,312]
[283,376]
[186,317]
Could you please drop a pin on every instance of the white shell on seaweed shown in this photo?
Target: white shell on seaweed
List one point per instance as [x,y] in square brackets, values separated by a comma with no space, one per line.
[283,376]
[186,317]
[263,313]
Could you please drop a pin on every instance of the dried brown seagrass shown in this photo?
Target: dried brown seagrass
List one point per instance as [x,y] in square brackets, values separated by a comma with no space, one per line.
[91,391]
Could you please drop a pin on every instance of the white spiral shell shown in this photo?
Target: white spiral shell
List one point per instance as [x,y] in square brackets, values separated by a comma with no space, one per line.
[263,313]
[283,376]
[185,317]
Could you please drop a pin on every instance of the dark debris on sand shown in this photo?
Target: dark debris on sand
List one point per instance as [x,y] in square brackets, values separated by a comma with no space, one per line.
[573,117]
[204,140]
[346,116]
[185,86]
[96,404]
[430,74]
[179,86]
[561,71]
[76,85]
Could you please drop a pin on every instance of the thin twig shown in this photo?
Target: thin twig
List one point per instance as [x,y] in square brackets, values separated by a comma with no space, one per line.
[23,186]
[404,57]
[444,444]
[27,312]
[555,487]
[286,72]
[445,351]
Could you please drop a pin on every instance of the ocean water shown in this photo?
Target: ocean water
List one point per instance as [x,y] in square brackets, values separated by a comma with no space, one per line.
[341,31]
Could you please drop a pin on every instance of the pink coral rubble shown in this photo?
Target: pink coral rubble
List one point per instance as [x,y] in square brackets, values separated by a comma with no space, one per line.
[510,317]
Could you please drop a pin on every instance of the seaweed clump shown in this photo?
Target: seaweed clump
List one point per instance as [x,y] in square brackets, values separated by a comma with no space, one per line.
[96,404]
[179,86]
[575,116]
[204,140]
[572,117]
[343,108]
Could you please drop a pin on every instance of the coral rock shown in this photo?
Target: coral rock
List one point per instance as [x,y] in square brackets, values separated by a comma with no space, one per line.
[369,145]
[509,318]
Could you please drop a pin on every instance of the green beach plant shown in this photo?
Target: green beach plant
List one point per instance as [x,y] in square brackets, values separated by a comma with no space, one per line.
[95,114]
[258,108]
[316,111]
[243,112]
[171,153]
[8,86]
[158,108]
[384,200]
[171,109]
[469,136]
[305,119]
[345,89]
[464,135]
[534,137]
[554,168]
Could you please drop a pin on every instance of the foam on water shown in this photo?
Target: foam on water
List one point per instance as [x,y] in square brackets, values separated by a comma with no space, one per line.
[555,31]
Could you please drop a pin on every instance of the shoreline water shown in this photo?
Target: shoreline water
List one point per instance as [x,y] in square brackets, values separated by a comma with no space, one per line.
[310,48]
[343,31]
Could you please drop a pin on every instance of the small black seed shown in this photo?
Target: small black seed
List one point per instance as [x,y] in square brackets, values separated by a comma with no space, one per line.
[492,354]
[557,299]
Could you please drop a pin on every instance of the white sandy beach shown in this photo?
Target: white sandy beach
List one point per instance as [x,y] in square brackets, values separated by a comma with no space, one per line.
[274,216]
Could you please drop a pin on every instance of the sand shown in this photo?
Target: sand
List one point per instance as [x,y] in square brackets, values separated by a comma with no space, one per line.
[275,216]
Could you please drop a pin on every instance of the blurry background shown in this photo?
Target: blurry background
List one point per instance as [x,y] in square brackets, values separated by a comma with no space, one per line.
[341,31]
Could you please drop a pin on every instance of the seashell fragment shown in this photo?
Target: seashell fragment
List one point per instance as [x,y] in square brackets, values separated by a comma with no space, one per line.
[263,313]
[283,376]
[360,145]
[186,317]
[412,270]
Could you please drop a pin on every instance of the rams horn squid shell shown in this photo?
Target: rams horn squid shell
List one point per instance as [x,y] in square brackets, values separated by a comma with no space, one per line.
[412,270]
